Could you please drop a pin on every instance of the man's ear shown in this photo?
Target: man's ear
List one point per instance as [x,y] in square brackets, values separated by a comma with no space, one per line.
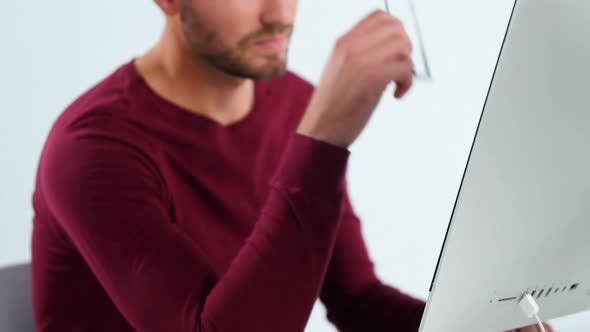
[169,7]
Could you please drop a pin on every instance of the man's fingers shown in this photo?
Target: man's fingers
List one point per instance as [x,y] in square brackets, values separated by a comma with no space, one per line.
[402,88]
[403,85]
[369,22]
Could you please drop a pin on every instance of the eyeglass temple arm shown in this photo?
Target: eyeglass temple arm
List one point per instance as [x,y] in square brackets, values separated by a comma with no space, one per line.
[420,39]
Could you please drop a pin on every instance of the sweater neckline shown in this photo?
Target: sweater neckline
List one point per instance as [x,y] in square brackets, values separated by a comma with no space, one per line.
[183,115]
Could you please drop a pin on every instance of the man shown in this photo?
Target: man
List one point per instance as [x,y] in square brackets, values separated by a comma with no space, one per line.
[201,187]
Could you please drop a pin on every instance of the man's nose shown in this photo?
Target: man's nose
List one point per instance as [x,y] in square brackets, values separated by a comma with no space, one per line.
[278,12]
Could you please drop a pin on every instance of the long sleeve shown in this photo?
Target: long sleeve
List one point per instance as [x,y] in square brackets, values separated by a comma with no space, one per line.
[110,200]
[355,299]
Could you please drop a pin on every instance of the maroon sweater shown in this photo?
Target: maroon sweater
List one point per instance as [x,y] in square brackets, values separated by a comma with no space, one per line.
[151,218]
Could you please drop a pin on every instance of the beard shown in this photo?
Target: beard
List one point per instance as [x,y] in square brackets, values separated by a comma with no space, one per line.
[207,45]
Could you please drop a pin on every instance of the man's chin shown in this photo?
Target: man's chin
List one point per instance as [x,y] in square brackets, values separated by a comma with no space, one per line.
[275,73]
[271,69]
[259,72]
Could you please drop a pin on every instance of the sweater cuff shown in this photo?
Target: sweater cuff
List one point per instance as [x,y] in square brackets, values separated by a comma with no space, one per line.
[311,165]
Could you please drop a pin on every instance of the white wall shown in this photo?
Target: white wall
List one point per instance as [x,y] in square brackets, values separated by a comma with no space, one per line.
[405,170]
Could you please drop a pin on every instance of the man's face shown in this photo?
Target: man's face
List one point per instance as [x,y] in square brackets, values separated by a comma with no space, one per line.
[244,38]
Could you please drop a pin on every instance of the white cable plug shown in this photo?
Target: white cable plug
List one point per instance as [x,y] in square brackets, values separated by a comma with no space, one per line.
[530,308]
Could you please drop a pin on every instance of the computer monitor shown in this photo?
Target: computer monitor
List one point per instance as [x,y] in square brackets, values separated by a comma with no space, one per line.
[521,221]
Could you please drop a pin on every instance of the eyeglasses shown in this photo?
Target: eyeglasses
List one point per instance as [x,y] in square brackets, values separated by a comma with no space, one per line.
[406,12]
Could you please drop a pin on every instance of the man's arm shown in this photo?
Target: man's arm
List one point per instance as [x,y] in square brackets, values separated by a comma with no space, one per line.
[108,197]
[355,299]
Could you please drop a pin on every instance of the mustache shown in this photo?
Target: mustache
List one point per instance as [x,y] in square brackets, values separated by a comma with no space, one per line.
[272,31]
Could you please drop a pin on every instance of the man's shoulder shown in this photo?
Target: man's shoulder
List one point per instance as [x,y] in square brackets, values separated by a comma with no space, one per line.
[290,93]
[106,99]
[296,82]
[292,89]
[102,112]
